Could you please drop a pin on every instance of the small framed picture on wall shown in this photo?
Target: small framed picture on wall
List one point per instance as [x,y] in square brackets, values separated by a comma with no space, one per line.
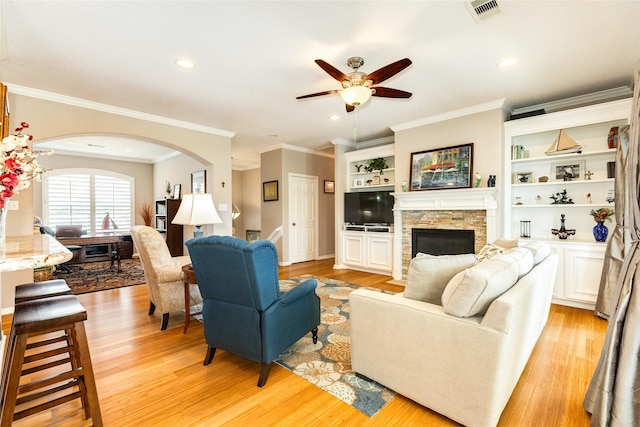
[270,191]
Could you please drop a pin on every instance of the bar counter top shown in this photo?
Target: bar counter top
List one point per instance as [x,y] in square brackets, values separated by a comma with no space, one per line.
[33,251]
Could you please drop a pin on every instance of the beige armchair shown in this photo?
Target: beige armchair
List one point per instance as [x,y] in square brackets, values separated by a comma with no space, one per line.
[162,272]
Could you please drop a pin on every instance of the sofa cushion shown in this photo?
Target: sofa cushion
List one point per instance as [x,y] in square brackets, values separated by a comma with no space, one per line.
[470,292]
[540,250]
[428,275]
[524,258]
[488,251]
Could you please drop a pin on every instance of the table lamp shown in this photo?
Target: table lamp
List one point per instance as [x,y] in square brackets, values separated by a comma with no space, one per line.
[197,209]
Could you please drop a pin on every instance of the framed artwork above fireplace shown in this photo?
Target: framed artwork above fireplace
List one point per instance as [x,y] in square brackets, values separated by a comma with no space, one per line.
[442,168]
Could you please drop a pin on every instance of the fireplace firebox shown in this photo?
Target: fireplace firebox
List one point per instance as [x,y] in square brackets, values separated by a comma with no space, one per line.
[437,241]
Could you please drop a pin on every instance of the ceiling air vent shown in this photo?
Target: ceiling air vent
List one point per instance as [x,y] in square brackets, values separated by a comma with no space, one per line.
[482,9]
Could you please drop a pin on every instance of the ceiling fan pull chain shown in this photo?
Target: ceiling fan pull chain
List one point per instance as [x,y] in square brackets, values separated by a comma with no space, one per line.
[355,128]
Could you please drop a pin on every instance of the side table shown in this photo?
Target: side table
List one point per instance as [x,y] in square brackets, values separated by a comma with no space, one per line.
[189,279]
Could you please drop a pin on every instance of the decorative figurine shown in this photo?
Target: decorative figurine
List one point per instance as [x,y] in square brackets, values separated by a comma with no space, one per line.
[478,179]
[589,198]
[518,201]
[358,167]
[404,186]
[588,175]
[562,233]
[561,198]
[491,182]
[610,198]
[538,199]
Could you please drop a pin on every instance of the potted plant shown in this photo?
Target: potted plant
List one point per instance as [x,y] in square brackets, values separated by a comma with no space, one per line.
[376,164]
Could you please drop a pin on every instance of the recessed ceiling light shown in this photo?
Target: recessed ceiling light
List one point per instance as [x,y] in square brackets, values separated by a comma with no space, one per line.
[507,62]
[184,63]
[272,135]
[334,117]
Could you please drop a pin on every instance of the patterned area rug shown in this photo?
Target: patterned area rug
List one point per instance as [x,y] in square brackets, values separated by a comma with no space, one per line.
[97,276]
[327,364]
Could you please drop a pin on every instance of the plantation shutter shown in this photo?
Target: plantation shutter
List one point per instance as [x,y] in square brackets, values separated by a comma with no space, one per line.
[85,198]
[69,200]
[112,197]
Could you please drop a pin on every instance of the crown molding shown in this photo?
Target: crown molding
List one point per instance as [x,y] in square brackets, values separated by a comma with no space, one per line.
[82,103]
[492,105]
[364,144]
[581,100]
[296,148]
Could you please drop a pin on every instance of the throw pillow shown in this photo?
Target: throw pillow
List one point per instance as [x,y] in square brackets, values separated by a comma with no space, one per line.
[506,243]
[488,251]
[540,250]
[428,275]
[471,292]
[524,259]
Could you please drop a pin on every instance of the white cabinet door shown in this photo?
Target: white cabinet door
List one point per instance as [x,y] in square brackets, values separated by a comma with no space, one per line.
[367,251]
[583,270]
[353,249]
[579,271]
[379,253]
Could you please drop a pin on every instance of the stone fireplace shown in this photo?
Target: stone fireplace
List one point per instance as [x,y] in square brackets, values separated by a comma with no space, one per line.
[461,209]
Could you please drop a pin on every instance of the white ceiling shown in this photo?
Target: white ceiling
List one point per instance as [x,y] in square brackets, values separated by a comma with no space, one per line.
[253,58]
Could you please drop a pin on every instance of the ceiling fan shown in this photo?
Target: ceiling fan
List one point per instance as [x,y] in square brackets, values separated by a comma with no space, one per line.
[358,87]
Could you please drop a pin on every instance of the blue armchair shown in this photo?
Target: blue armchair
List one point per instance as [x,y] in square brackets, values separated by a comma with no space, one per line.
[243,309]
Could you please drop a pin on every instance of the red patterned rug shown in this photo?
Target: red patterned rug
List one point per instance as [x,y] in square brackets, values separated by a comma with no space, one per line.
[97,276]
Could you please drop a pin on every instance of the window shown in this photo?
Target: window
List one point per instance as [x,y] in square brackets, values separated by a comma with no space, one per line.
[86,196]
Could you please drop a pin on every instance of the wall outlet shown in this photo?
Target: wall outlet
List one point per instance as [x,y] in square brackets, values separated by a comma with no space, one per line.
[14,205]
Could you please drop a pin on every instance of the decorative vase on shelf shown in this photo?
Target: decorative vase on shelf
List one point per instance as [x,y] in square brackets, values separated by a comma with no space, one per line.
[600,232]
[3,230]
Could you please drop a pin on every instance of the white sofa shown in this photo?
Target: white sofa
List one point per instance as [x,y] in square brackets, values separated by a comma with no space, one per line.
[462,367]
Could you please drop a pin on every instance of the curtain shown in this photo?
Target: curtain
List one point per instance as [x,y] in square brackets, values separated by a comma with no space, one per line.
[613,396]
[619,241]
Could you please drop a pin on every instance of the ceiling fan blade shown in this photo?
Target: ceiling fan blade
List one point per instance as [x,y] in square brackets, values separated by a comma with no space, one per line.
[387,92]
[332,71]
[390,70]
[326,92]
[350,108]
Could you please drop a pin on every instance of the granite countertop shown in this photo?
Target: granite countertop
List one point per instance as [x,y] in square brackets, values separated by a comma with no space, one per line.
[33,251]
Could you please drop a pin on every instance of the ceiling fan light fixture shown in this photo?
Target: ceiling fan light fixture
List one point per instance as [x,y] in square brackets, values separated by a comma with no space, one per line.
[355,95]
[185,63]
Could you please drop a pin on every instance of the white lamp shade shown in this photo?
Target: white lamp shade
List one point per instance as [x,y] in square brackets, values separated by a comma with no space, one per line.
[355,95]
[197,209]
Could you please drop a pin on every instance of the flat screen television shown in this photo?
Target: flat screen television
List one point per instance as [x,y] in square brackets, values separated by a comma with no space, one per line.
[369,207]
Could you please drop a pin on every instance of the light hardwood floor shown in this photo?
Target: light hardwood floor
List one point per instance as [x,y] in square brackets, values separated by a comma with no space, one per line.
[146,377]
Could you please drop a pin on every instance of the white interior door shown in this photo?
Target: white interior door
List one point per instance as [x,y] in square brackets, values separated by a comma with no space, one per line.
[303,217]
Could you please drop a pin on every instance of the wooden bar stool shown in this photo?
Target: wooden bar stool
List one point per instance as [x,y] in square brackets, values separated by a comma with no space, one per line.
[37,290]
[44,289]
[47,316]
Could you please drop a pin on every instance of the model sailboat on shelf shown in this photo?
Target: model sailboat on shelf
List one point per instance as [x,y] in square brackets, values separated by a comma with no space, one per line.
[563,145]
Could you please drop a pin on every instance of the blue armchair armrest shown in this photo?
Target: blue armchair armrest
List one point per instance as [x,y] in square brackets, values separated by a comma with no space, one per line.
[299,291]
[290,317]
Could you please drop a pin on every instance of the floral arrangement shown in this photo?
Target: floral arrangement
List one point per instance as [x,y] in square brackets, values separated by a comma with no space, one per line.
[602,214]
[18,164]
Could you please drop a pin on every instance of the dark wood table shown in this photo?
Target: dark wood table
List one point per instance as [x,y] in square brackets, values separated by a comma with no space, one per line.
[113,240]
[189,279]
